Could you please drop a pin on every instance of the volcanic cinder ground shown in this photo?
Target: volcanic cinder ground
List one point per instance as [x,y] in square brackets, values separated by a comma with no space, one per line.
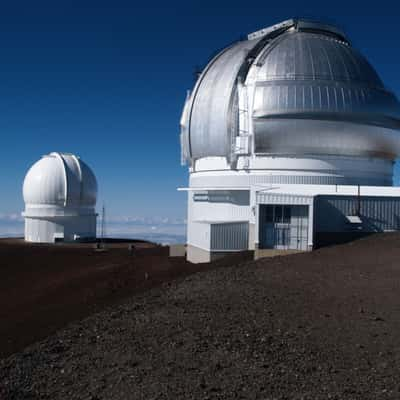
[320,325]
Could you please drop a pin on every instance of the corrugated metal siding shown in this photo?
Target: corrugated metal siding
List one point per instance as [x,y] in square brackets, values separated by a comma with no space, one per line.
[230,236]
[282,198]
[377,213]
[216,181]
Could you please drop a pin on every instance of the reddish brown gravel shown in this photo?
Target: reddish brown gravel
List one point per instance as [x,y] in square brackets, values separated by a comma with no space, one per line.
[43,288]
[321,325]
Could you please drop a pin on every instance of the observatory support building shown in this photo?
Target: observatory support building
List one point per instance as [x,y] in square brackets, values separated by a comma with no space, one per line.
[60,193]
[290,137]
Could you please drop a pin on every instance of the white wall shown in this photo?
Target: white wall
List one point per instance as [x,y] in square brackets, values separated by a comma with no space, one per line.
[42,230]
[202,213]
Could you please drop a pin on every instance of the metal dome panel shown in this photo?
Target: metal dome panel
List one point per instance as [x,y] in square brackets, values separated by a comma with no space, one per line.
[317,95]
[45,183]
[295,74]
[210,125]
[300,55]
[89,189]
[61,180]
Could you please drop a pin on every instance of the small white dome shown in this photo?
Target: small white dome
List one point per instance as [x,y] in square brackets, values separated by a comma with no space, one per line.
[62,180]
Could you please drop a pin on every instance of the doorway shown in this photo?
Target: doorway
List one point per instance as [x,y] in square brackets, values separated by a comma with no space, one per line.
[283,226]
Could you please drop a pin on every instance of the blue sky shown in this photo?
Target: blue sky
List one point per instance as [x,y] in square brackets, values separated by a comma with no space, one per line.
[107,80]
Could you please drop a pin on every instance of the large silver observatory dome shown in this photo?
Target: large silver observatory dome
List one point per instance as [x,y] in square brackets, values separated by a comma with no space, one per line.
[290,137]
[297,88]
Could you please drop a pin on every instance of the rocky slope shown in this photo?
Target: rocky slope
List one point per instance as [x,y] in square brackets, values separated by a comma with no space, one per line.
[321,325]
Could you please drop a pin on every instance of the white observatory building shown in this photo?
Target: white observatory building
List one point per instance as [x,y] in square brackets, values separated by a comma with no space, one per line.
[290,137]
[60,193]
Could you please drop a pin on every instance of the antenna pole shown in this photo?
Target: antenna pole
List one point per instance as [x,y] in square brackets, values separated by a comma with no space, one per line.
[103,223]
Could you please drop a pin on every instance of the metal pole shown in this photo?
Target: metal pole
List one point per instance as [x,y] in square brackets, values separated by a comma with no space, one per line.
[103,217]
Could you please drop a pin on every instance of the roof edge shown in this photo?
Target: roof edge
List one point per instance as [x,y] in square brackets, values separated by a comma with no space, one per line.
[300,24]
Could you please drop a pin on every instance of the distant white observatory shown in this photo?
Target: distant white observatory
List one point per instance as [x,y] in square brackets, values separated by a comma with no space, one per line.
[290,137]
[60,193]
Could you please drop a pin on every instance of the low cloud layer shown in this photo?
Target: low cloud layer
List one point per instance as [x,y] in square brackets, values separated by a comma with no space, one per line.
[155,229]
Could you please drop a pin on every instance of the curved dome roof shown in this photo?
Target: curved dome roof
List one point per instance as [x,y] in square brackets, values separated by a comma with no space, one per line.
[315,56]
[305,89]
[60,179]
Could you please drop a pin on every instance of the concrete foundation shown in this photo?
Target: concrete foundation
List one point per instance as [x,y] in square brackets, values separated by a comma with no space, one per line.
[252,236]
[177,250]
[262,253]
[196,255]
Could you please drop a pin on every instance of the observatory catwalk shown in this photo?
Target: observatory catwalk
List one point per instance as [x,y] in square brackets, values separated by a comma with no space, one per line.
[290,137]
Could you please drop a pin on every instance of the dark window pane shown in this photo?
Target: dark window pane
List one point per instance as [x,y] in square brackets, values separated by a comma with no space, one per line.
[269,214]
[278,213]
[286,214]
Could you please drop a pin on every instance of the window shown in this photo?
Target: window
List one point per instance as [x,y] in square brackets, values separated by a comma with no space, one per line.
[278,213]
[269,214]
[286,214]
